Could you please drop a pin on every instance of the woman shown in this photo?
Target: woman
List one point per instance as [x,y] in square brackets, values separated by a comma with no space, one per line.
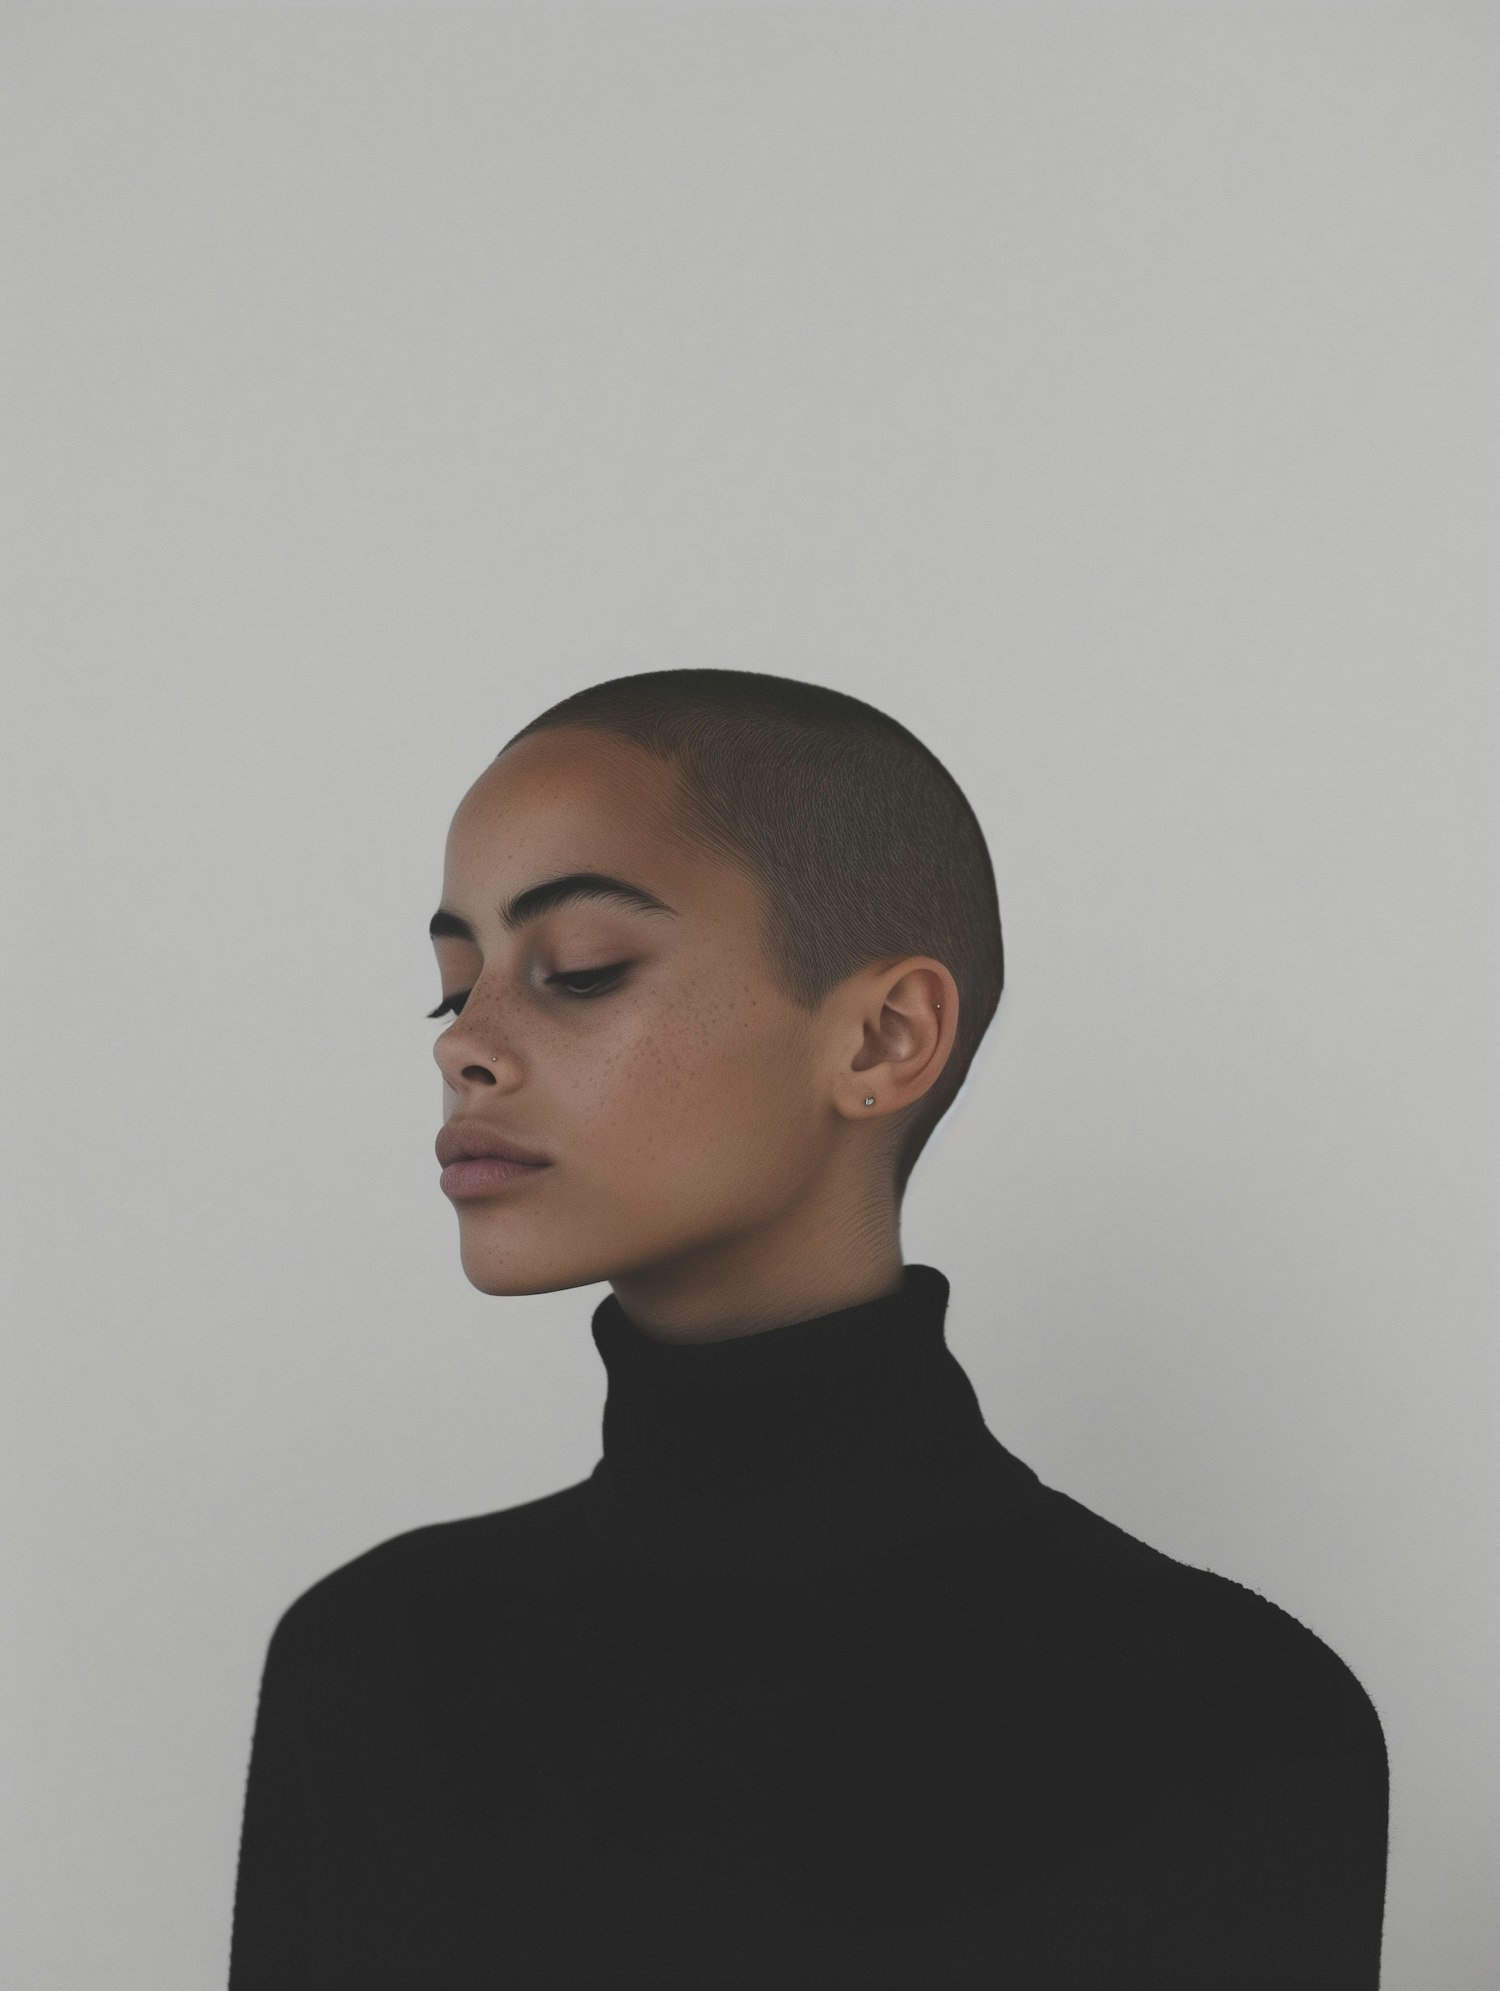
[811,1681]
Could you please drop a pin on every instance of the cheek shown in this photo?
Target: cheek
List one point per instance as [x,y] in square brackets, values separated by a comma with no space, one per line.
[737,1110]
[698,1087]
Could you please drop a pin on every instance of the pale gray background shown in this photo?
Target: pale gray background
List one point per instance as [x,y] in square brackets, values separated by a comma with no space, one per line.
[1106,392]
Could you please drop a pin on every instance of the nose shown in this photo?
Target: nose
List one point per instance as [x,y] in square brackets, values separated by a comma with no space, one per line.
[461,1062]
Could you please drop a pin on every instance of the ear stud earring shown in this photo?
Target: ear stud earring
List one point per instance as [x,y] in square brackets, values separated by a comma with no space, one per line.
[869,1101]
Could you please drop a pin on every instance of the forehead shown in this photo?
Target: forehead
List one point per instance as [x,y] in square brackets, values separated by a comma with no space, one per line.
[573,800]
[565,794]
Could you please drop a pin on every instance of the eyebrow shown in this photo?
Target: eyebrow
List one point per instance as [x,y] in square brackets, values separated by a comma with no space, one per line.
[547,897]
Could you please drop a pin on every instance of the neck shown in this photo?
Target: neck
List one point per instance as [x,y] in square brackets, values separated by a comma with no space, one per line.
[749,1285]
[838,1437]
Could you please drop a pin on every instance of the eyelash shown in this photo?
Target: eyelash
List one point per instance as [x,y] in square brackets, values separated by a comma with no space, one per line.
[594,975]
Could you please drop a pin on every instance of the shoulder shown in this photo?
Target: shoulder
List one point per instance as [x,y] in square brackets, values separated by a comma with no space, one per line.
[425,1581]
[1208,1643]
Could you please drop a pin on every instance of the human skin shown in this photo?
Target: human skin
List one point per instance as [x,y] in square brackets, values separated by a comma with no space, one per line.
[712,1156]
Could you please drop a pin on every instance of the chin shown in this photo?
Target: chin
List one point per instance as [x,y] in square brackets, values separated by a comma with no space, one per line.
[508,1273]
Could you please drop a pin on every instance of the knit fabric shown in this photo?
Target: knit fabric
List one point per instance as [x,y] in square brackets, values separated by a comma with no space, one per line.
[810,1683]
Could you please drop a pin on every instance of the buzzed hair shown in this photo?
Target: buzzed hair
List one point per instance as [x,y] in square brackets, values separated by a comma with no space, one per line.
[862,844]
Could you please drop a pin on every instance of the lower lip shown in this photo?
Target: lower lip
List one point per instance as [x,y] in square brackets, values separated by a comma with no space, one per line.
[485,1174]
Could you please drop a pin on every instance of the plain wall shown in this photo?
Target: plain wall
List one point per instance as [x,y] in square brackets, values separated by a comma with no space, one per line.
[1108,393]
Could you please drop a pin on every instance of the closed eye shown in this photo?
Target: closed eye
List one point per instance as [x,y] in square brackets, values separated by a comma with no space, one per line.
[598,981]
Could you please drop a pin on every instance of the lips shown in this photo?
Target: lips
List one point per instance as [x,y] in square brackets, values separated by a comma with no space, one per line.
[474,1140]
[486,1175]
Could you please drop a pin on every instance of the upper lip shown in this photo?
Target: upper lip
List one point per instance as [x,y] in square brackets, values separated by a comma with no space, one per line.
[461,1139]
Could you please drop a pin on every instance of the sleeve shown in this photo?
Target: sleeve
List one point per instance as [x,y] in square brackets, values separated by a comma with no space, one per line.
[1322,1820]
[1289,1878]
[270,1939]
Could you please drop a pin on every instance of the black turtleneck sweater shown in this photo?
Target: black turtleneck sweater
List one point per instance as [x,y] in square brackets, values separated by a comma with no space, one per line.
[811,1682]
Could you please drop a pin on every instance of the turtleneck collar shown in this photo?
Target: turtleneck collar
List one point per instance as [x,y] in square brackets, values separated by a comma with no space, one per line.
[832,1440]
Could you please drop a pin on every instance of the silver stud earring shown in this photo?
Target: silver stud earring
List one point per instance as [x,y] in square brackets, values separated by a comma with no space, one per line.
[869,1100]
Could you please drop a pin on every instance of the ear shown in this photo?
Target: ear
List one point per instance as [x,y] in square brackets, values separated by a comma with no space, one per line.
[905,1016]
